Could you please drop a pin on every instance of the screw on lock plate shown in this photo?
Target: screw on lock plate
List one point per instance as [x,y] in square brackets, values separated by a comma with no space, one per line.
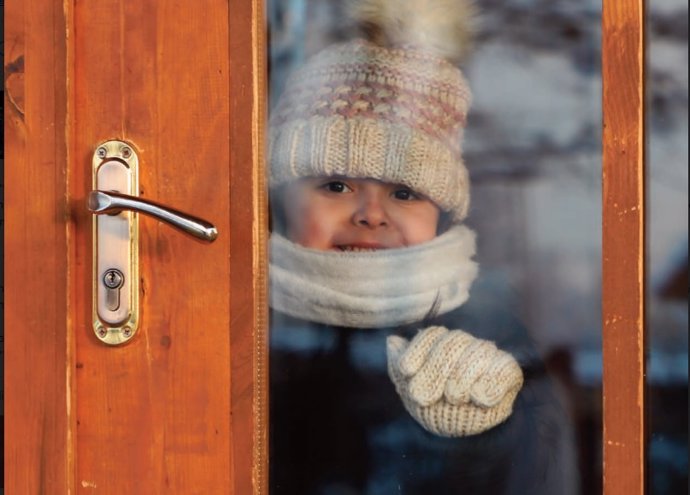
[113,280]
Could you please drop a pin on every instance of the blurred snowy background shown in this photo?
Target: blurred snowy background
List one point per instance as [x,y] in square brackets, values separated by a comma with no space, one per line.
[533,148]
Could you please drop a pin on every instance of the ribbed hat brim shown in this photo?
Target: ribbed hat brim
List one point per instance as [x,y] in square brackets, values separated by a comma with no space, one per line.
[368,148]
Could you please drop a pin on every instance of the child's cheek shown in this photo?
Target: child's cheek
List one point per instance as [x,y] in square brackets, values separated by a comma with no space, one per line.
[309,226]
[421,226]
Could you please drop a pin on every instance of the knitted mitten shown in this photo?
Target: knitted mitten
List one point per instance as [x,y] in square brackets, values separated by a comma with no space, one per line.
[452,383]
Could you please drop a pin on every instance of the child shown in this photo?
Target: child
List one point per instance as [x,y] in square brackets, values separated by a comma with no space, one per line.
[368,252]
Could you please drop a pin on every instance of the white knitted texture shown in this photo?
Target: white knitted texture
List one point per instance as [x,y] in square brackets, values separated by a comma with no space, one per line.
[382,288]
[361,110]
[452,383]
[366,148]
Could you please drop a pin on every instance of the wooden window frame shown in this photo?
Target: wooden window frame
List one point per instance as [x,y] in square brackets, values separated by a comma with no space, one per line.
[38,449]
[623,246]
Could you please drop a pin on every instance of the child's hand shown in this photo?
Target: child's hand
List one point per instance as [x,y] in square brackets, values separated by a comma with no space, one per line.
[452,383]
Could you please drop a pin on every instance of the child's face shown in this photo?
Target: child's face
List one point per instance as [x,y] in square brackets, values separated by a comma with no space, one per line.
[339,213]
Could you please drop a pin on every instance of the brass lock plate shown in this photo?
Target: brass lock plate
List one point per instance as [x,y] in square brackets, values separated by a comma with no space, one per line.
[115,168]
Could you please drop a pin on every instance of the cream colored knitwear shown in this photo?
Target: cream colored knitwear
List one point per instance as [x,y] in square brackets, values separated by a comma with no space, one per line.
[452,383]
[372,289]
[366,111]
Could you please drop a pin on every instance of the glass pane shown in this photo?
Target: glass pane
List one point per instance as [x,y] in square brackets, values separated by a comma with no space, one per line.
[394,369]
[667,365]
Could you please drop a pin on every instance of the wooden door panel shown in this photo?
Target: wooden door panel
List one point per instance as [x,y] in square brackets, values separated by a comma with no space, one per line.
[38,344]
[176,410]
[154,415]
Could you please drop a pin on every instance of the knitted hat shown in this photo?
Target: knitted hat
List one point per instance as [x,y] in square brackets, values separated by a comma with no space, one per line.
[391,107]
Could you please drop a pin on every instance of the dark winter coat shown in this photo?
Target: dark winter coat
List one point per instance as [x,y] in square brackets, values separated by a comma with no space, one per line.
[338,426]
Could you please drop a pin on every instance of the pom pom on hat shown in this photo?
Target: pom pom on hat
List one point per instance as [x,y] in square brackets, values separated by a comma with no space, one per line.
[442,27]
[391,108]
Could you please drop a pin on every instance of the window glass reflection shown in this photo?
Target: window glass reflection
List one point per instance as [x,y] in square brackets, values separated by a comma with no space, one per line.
[422,342]
[667,309]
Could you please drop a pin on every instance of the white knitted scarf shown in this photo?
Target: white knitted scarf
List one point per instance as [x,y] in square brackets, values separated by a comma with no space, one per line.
[388,287]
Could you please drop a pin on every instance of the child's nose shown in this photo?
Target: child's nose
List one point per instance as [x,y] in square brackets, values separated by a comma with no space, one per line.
[371,212]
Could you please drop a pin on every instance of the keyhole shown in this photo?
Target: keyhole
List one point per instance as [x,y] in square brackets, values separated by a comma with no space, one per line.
[113,280]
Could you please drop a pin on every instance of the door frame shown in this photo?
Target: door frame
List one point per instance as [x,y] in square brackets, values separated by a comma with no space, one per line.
[40,422]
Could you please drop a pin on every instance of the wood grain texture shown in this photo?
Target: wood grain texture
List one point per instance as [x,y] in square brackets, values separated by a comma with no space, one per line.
[248,201]
[154,415]
[623,247]
[182,408]
[39,421]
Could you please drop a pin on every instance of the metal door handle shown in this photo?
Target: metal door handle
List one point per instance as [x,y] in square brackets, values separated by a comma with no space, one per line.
[114,201]
[108,202]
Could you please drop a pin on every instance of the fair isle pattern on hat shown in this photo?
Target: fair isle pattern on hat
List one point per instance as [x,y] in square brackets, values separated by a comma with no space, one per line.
[361,110]
[406,87]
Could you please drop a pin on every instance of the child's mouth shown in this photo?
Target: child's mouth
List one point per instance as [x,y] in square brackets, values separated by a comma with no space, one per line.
[358,249]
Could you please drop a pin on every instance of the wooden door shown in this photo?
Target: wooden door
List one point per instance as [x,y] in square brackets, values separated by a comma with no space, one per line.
[177,409]
[181,409]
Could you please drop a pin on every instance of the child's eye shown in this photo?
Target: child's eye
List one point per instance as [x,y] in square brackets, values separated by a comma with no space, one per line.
[405,194]
[336,186]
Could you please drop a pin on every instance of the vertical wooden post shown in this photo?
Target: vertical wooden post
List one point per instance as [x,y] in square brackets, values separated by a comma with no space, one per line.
[39,347]
[248,200]
[623,247]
